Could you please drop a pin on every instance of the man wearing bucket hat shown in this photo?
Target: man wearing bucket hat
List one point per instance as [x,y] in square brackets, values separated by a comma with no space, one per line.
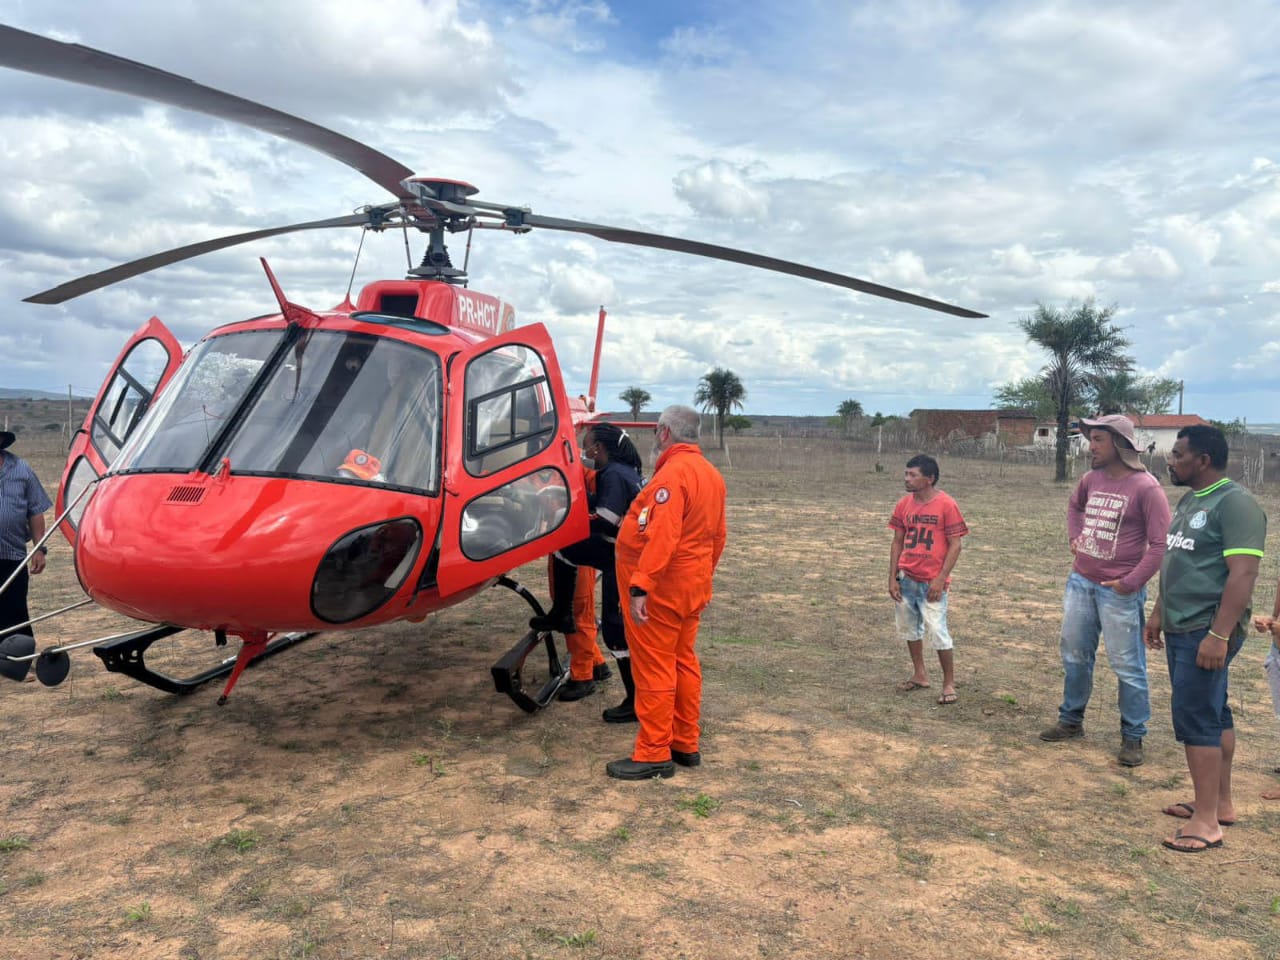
[1117,519]
[22,506]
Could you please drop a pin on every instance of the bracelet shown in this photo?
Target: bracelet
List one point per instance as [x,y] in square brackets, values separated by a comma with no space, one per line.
[1218,636]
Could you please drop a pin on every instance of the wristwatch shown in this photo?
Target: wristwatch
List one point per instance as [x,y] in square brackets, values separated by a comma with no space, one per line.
[43,549]
[637,592]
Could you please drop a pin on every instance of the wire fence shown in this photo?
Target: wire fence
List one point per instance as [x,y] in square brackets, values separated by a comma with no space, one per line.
[1254,458]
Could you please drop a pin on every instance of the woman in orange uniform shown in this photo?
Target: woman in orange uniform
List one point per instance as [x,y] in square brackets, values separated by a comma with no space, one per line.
[609,451]
[587,665]
[668,546]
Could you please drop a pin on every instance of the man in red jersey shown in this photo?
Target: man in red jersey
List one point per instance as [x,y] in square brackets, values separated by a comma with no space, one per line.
[668,546]
[927,527]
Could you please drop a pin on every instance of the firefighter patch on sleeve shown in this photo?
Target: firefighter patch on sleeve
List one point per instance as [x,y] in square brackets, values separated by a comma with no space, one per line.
[662,495]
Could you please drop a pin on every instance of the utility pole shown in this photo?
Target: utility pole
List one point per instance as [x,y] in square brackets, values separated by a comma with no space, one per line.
[1180,383]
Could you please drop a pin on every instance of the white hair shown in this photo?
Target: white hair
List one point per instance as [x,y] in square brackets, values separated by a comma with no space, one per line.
[685,423]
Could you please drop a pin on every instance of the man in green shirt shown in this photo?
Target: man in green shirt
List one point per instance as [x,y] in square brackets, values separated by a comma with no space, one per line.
[1206,584]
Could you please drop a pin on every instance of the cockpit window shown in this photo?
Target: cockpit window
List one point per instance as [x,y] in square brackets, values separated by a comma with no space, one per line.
[198,401]
[333,406]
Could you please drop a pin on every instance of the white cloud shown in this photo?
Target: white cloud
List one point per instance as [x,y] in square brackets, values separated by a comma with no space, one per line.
[698,44]
[717,189]
[577,289]
[1143,262]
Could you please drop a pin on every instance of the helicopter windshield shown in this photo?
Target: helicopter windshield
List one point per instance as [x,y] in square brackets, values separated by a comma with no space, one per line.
[332,406]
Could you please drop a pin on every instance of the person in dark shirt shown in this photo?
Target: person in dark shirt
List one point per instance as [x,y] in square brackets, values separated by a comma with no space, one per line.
[1214,545]
[23,503]
[610,451]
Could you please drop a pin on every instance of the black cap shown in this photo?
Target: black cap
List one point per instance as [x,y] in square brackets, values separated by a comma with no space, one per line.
[7,438]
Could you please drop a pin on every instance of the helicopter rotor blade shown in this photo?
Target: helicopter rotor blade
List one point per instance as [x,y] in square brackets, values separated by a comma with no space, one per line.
[104,278]
[519,218]
[33,53]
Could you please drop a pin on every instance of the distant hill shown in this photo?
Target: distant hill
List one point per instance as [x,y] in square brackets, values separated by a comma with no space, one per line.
[22,393]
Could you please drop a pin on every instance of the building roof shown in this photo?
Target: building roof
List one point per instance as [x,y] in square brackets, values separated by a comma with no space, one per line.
[1166,421]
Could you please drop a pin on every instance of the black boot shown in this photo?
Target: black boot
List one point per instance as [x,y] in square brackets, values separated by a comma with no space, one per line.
[576,690]
[625,712]
[564,580]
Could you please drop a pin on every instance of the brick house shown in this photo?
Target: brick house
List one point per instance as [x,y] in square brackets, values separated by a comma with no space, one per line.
[1013,427]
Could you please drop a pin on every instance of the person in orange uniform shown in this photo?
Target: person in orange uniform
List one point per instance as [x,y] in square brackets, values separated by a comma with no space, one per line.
[586,662]
[668,546]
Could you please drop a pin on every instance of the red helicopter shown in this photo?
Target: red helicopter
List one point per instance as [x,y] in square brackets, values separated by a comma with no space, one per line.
[316,470]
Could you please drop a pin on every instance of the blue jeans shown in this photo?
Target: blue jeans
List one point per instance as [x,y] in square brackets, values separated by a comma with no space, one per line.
[1198,697]
[1088,610]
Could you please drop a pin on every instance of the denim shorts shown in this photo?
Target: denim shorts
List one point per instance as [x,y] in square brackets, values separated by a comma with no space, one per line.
[918,618]
[1199,696]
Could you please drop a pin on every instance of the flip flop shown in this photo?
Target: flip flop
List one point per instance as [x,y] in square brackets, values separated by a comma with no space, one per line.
[1190,812]
[906,686]
[948,698]
[1208,844]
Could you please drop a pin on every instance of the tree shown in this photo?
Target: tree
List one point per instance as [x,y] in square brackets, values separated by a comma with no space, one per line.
[721,391]
[635,398]
[1122,392]
[1030,394]
[1083,344]
[850,412]
[737,424]
[1231,428]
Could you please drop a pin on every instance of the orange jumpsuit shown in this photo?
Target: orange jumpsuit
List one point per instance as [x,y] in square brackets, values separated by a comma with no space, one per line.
[668,545]
[584,654]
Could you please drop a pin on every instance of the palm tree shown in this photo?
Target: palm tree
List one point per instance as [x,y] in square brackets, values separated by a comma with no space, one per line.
[635,398]
[721,391]
[849,412]
[1083,344]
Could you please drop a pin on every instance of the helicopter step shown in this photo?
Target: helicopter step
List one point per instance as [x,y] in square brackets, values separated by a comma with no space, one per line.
[507,672]
[127,655]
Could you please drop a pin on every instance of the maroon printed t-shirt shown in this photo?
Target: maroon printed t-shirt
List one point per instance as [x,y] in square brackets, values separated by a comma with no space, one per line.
[927,530]
[1119,527]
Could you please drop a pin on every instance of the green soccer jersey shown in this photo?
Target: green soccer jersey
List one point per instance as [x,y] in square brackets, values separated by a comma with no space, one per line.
[1208,526]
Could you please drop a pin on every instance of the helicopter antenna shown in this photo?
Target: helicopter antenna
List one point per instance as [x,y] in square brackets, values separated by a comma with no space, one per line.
[351,282]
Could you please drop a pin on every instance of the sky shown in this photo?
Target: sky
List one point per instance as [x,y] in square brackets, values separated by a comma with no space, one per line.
[994,154]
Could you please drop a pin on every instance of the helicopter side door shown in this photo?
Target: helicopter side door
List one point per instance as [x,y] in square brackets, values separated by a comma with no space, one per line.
[144,366]
[513,487]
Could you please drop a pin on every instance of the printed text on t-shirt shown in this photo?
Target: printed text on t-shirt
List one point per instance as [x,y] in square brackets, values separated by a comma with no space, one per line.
[1102,516]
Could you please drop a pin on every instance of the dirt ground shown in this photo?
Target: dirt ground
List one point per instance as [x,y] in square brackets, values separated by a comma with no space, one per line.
[370,795]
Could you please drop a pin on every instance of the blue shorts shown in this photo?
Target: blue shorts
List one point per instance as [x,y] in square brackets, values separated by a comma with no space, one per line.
[1199,696]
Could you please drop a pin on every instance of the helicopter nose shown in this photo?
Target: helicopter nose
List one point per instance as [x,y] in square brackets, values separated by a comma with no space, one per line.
[251,553]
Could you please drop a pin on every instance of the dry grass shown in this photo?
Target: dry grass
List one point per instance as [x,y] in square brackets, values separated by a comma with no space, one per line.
[368,795]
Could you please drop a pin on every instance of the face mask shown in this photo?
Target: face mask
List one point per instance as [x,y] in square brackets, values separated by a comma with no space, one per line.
[587,462]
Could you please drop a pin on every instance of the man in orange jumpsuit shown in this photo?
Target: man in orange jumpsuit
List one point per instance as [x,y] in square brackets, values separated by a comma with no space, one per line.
[668,546]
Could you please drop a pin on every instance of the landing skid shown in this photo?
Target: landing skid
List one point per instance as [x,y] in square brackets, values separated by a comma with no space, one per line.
[507,671]
[127,655]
